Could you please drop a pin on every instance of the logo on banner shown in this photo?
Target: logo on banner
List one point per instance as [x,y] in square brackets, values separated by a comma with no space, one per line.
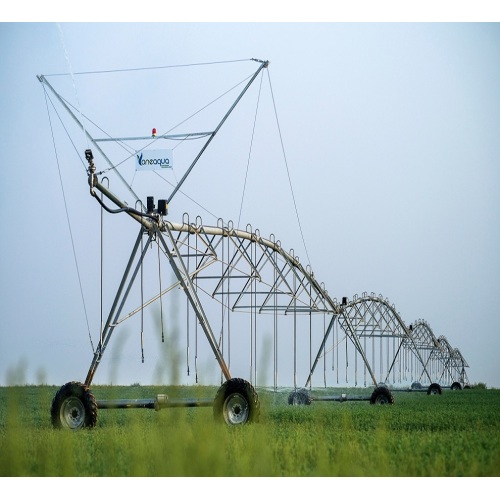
[154,159]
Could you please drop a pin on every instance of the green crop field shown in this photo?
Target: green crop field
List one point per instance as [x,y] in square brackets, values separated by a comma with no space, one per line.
[454,434]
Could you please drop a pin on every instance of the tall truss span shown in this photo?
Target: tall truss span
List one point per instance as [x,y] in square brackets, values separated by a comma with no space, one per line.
[245,273]
[445,363]
[390,351]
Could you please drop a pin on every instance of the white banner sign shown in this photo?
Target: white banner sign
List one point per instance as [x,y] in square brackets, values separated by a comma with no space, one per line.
[154,159]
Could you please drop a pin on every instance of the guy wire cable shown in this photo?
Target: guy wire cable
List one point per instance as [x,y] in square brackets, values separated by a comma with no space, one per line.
[69,222]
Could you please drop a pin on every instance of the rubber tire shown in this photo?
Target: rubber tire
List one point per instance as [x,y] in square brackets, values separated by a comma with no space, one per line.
[456,386]
[299,397]
[416,386]
[381,395]
[73,407]
[236,403]
[434,389]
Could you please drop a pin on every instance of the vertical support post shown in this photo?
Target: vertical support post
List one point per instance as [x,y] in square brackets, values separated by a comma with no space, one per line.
[228,306]
[295,331]
[275,323]
[324,352]
[310,330]
[337,351]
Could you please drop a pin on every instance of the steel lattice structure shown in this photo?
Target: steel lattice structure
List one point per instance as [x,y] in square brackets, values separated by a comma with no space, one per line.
[223,270]
[446,364]
[246,273]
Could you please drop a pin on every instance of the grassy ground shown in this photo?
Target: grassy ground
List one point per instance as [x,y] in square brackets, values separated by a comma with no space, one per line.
[455,434]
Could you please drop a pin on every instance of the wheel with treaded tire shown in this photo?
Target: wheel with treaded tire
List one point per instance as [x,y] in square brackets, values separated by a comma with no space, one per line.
[381,396]
[299,397]
[434,389]
[73,407]
[456,386]
[236,403]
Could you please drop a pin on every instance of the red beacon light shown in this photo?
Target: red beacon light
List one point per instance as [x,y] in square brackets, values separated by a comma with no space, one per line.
[153,132]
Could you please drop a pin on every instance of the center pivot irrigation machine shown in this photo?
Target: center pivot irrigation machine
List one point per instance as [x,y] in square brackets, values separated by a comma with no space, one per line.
[221,270]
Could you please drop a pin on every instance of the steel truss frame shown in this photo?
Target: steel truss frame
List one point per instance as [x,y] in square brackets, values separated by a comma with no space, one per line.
[447,365]
[247,273]
[239,269]
[374,318]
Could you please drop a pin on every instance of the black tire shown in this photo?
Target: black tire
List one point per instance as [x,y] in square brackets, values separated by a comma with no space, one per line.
[434,389]
[416,386]
[299,397]
[73,407]
[236,403]
[456,386]
[467,387]
[381,396]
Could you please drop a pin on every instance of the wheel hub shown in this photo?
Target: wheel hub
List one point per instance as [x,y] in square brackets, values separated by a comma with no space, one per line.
[236,409]
[72,413]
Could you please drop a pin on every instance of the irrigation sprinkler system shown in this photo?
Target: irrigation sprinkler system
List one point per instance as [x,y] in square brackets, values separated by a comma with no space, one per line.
[221,271]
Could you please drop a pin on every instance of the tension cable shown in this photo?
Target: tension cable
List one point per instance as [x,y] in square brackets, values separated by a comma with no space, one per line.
[250,150]
[287,170]
[69,223]
[124,70]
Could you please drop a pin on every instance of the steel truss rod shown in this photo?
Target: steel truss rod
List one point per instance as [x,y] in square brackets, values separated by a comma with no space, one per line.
[44,81]
[116,308]
[148,137]
[321,349]
[263,64]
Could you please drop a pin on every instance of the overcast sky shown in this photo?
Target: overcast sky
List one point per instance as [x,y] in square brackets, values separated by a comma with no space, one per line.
[391,139]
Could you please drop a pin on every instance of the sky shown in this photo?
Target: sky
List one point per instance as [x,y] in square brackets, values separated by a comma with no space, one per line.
[390,184]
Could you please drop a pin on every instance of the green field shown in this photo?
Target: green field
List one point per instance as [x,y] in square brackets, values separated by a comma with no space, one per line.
[455,434]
